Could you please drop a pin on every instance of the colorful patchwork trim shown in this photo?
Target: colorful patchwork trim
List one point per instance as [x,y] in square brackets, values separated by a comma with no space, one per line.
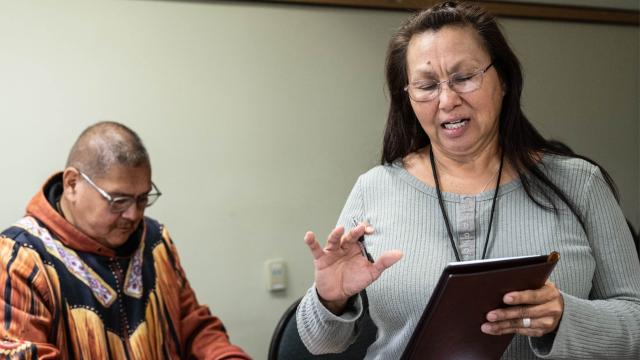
[11,348]
[100,289]
[133,281]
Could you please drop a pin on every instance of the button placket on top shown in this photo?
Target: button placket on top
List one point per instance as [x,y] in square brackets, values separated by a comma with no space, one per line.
[466,229]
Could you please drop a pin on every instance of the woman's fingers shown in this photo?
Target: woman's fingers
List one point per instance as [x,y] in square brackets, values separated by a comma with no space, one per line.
[337,240]
[534,312]
[534,327]
[368,228]
[540,296]
[352,236]
[310,240]
[521,312]
[529,326]
[387,259]
[333,241]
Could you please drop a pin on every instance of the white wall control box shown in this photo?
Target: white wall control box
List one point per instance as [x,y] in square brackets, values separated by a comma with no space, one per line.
[276,275]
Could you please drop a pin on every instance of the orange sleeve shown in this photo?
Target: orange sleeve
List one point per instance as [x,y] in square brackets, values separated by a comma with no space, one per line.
[204,334]
[25,305]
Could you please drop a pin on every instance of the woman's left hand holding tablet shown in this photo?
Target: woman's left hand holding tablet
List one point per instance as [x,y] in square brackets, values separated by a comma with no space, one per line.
[533,312]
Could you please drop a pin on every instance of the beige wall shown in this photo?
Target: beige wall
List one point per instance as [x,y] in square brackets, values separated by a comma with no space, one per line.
[260,117]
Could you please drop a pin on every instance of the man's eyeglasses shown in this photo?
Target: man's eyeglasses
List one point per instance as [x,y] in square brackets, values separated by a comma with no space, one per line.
[427,90]
[119,204]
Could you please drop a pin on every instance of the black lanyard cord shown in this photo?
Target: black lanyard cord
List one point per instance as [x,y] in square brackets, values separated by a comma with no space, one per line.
[444,212]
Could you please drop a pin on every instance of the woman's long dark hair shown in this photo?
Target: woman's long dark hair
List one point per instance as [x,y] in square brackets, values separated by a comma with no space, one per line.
[519,140]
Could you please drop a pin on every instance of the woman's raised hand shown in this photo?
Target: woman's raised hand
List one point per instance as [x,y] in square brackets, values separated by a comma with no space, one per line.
[341,268]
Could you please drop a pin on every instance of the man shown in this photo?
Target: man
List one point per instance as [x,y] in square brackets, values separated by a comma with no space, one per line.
[87,276]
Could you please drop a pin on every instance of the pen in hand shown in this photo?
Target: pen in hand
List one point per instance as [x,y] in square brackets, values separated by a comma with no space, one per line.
[361,243]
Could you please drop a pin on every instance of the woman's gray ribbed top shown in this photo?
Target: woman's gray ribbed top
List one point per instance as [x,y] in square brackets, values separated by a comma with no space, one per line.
[598,273]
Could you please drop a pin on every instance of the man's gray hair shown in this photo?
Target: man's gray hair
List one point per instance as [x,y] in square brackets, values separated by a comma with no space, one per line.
[104,144]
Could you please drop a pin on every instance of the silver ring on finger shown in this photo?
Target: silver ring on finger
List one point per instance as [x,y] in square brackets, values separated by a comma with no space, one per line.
[526,322]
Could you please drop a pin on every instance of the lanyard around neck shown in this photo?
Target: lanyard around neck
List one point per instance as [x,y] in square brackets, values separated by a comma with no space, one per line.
[444,212]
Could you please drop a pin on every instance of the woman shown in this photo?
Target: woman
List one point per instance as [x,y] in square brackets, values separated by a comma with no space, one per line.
[465,176]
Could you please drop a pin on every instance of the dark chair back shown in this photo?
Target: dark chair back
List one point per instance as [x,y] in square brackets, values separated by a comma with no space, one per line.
[636,237]
[287,345]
